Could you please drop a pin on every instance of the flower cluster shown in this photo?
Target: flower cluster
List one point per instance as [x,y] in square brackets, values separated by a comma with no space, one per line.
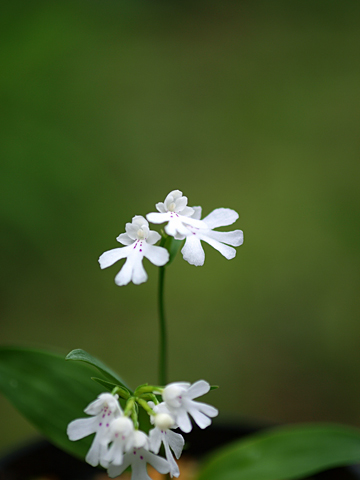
[118,442]
[184,223]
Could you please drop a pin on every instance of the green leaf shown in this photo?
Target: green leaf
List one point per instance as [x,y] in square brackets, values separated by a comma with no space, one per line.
[82,356]
[49,392]
[285,453]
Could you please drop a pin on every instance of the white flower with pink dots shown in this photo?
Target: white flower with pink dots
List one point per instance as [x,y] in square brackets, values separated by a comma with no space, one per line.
[175,211]
[139,241]
[138,457]
[193,251]
[103,410]
[179,399]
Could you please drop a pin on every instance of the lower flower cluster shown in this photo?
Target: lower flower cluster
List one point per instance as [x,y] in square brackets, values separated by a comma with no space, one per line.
[118,441]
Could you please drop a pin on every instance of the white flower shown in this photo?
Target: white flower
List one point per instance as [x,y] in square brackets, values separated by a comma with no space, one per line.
[163,421]
[192,250]
[175,211]
[138,457]
[104,410]
[122,437]
[178,398]
[140,243]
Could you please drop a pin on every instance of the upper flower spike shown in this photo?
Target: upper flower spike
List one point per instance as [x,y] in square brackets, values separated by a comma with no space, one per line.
[192,250]
[178,398]
[140,243]
[179,216]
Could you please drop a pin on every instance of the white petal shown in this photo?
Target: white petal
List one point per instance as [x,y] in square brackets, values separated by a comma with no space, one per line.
[187,212]
[115,470]
[176,442]
[193,222]
[220,217]
[125,239]
[227,252]
[126,273]
[159,463]
[234,238]
[139,221]
[139,274]
[200,419]
[160,207]
[82,427]
[176,226]
[183,420]
[155,217]
[193,252]
[174,469]
[95,453]
[153,237]
[155,440]
[209,410]
[131,230]
[197,389]
[112,256]
[181,204]
[197,213]
[157,255]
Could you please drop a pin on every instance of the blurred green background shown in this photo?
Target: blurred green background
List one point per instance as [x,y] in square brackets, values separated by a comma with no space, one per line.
[106,106]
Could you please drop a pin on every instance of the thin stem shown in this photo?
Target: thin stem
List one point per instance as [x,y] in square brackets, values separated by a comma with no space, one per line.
[162,329]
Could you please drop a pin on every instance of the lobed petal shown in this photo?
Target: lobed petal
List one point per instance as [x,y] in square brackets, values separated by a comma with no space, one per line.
[139,274]
[155,217]
[115,470]
[82,427]
[187,212]
[125,239]
[235,238]
[198,389]
[227,252]
[183,420]
[221,217]
[159,256]
[176,442]
[200,419]
[160,207]
[193,252]
[181,204]
[159,463]
[155,440]
[197,213]
[153,237]
[112,256]
[125,274]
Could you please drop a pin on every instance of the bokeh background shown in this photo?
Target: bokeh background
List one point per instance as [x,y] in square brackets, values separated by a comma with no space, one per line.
[106,106]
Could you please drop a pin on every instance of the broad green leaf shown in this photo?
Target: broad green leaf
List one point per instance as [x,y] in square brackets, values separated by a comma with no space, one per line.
[285,453]
[49,392]
[82,356]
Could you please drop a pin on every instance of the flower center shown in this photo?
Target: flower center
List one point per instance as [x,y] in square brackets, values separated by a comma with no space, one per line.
[140,233]
[172,207]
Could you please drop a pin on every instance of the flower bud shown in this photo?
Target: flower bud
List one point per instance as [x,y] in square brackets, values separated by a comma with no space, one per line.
[164,421]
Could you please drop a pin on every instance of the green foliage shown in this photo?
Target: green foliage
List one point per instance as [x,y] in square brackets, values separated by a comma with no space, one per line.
[285,453]
[48,391]
[82,356]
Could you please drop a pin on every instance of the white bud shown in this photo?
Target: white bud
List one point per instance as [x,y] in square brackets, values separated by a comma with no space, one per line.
[164,421]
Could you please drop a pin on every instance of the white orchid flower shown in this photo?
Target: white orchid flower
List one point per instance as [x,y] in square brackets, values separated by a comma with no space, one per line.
[103,410]
[175,211]
[164,421]
[122,437]
[193,251]
[139,241]
[178,398]
[138,457]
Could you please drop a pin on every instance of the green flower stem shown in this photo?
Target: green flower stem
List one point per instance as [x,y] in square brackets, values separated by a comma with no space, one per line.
[145,406]
[162,329]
